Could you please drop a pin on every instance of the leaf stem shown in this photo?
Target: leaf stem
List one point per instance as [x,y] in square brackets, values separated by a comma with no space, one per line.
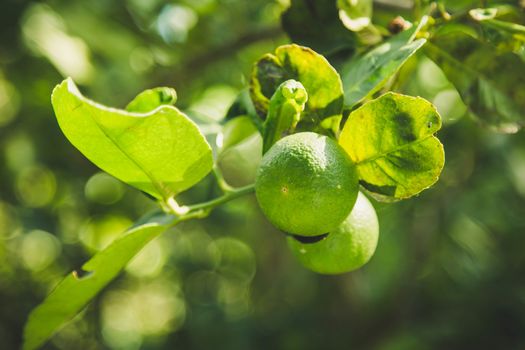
[443,11]
[209,205]
[201,210]
[174,207]
[417,10]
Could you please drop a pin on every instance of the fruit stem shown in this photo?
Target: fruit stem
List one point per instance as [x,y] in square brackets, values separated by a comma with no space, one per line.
[223,185]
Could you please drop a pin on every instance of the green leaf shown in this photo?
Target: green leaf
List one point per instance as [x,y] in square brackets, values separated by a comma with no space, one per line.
[235,131]
[364,75]
[239,163]
[355,14]
[321,81]
[240,151]
[490,81]
[391,139]
[505,36]
[73,293]
[150,99]
[243,105]
[284,112]
[161,152]
[316,24]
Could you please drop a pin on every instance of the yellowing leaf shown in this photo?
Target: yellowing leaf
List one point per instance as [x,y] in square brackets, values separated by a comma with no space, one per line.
[321,81]
[391,139]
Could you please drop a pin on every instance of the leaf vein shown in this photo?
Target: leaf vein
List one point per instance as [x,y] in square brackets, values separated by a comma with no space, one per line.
[395,149]
[153,179]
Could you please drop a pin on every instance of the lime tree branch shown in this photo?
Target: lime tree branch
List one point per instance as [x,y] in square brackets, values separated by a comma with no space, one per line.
[80,287]
[194,64]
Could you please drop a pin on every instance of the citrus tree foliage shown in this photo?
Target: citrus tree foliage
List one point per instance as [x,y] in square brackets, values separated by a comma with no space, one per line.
[79,287]
[365,74]
[337,78]
[109,138]
[391,140]
[479,72]
[323,85]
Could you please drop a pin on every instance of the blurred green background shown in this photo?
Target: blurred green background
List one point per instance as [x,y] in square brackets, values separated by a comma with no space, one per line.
[449,271]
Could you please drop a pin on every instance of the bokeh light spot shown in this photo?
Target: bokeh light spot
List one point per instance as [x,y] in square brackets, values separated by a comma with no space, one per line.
[104,189]
[9,102]
[36,186]
[39,249]
[175,22]
[99,232]
[152,309]
[150,260]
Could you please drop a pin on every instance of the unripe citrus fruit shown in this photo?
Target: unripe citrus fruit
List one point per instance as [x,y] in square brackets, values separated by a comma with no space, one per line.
[348,247]
[306,184]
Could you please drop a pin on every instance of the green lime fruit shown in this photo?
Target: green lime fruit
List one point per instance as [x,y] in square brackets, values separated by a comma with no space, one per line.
[306,184]
[347,248]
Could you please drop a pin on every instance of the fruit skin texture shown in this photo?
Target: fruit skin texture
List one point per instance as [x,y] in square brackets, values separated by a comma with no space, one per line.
[345,249]
[306,184]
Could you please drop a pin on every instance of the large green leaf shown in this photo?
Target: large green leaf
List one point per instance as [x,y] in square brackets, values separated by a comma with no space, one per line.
[490,81]
[161,152]
[391,139]
[74,292]
[319,78]
[364,75]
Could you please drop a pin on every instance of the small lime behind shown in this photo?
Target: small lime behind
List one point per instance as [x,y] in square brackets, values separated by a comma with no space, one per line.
[347,248]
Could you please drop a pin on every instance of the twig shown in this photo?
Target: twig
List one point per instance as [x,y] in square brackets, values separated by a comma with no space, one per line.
[198,62]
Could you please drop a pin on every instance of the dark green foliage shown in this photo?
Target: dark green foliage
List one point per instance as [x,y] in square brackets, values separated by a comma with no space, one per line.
[448,268]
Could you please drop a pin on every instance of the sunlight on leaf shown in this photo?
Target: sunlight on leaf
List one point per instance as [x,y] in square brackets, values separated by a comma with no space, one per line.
[161,152]
[355,14]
